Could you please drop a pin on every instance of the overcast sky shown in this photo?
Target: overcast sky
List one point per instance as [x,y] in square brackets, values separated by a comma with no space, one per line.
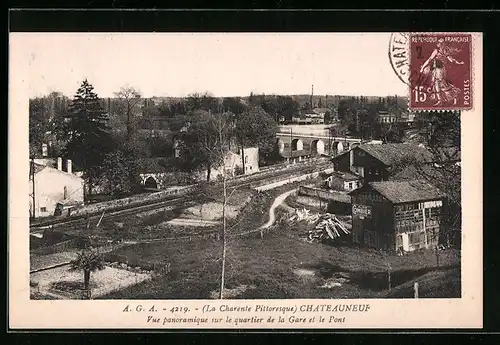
[223,64]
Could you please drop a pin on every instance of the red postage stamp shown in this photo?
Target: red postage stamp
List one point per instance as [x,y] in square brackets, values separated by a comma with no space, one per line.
[440,64]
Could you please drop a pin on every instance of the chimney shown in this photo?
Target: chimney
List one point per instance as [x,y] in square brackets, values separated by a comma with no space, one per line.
[69,166]
[59,163]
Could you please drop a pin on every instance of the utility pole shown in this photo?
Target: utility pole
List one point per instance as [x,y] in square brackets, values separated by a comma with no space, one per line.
[33,183]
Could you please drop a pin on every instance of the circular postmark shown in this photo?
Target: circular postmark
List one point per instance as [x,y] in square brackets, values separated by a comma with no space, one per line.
[399,55]
[400,59]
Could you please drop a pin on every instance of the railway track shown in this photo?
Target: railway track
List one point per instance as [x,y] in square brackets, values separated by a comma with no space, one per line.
[177,201]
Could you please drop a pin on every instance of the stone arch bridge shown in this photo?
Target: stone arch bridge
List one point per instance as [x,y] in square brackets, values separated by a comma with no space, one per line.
[313,144]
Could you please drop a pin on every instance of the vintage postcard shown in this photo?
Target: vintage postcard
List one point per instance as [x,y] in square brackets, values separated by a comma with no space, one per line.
[245,180]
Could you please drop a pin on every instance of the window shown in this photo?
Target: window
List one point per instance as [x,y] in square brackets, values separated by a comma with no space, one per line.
[43,209]
[65,193]
[246,159]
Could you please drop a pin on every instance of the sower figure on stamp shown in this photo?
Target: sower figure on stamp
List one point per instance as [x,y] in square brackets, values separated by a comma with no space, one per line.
[442,90]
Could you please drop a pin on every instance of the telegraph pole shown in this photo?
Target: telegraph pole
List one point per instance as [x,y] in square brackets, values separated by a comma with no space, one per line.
[33,182]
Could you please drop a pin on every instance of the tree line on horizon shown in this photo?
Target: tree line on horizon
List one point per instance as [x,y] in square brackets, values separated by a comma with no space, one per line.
[108,148]
[103,135]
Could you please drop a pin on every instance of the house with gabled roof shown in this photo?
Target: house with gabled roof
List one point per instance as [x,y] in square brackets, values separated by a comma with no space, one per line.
[400,216]
[374,162]
[54,189]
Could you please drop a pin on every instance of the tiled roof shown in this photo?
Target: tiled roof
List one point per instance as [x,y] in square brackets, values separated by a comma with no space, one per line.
[390,154]
[407,191]
[346,176]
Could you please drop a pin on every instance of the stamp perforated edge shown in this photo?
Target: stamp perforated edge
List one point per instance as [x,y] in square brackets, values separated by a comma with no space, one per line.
[471,69]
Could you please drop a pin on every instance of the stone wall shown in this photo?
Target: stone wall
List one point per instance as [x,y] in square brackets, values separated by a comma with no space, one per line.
[130,201]
[283,182]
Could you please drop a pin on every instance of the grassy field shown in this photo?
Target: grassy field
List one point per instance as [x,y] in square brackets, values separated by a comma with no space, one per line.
[281,266]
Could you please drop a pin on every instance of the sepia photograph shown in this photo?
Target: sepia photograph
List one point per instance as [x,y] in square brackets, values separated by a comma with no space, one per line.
[249,180]
[173,166]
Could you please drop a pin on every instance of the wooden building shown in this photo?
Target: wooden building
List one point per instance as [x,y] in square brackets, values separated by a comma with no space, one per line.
[397,216]
[374,162]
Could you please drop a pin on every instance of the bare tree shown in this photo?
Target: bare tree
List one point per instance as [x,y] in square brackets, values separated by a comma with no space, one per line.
[222,123]
[207,144]
[129,97]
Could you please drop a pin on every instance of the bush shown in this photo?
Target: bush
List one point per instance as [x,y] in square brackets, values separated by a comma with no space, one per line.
[51,237]
[81,242]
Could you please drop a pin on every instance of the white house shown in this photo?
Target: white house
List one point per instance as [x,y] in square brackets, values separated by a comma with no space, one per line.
[234,162]
[54,186]
[386,117]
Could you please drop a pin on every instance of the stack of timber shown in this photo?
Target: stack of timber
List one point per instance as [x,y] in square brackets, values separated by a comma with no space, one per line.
[326,226]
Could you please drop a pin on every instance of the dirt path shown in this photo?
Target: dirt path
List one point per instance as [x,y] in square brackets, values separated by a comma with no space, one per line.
[277,202]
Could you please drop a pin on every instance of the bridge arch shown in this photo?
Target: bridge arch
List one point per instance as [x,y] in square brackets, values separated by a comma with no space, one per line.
[317,146]
[151,182]
[297,145]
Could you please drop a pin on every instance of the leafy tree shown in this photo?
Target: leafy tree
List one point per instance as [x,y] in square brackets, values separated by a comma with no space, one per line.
[439,129]
[178,122]
[270,155]
[339,130]
[87,133]
[115,177]
[160,145]
[255,128]
[328,116]
[38,125]
[204,101]
[390,133]
[121,173]
[178,108]
[205,141]
[45,115]
[287,107]
[130,98]
[233,105]
[87,261]
[150,110]
[306,106]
